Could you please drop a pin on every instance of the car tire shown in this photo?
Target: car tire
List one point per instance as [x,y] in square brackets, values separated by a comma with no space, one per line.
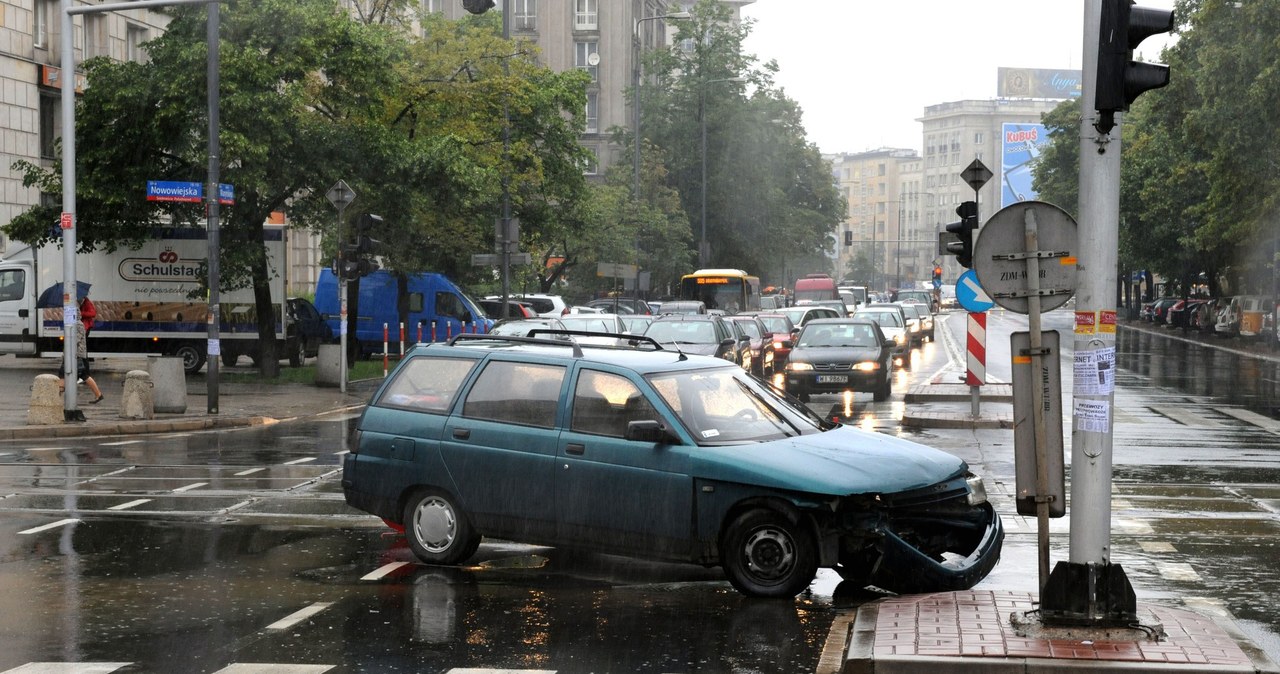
[438,529]
[297,352]
[192,357]
[767,554]
[883,391]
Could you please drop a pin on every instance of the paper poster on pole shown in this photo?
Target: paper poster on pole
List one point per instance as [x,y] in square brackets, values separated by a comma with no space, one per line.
[1093,416]
[1094,372]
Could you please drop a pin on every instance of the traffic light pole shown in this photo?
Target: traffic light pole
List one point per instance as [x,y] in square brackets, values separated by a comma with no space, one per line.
[1088,589]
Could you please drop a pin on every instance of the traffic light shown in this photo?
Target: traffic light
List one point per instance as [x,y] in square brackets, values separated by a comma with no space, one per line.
[848,238]
[355,255]
[1120,79]
[477,6]
[962,248]
[937,275]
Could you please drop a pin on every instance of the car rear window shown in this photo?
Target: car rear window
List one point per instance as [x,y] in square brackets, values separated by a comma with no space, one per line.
[429,384]
[518,393]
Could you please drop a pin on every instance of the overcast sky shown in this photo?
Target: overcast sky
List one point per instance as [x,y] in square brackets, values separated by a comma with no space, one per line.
[864,70]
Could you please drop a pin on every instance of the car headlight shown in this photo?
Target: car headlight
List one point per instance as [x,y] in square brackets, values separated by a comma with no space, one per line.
[897,339]
[870,366]
[799,367]
[977,490]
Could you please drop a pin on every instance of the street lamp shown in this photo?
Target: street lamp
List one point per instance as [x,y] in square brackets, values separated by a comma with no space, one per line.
[703,252]
[635,88]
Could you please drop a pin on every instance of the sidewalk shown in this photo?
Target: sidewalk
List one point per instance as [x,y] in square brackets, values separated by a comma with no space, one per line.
[239,404]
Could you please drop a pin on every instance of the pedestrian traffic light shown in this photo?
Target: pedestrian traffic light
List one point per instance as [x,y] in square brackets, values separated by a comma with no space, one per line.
[1120,79]
[477,6]
[962,248]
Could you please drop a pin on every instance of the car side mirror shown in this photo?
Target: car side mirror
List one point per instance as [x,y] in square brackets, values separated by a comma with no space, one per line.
[727,342]
[650,430]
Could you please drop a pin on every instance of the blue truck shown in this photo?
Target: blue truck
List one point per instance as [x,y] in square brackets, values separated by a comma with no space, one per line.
[433,300]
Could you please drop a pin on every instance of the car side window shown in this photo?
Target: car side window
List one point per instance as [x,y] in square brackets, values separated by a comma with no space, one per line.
[448,304]
[603,404]
[427,384]
[518,393]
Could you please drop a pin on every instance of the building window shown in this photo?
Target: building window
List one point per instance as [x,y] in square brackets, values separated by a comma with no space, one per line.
[133,44]
[978,138]
[591,164]
[582,52]
[586,15]
[593,113]
[525,15]
[50,105]
[40,23]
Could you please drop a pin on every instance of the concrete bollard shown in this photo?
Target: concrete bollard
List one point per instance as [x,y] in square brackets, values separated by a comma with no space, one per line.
[329,365]
[169,384]
[137,401]
[46,401]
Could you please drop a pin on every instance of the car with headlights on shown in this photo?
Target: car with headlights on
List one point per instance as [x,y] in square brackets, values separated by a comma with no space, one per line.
[834,355]
[892,322]
[533,440]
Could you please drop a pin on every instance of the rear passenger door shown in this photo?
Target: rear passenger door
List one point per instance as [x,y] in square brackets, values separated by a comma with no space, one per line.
[619,493]
[500,447]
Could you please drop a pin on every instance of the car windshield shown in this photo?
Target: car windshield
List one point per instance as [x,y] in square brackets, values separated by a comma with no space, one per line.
[727,406]
[886,319]
[682,332]
[843,335]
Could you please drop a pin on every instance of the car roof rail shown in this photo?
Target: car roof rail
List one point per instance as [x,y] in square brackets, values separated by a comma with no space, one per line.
[467,336]
[632,339]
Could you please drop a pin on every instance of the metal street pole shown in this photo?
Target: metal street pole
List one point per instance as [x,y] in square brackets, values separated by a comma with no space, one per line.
[506,178]
[70,294]
[635,89]
[341,195]
[214,348]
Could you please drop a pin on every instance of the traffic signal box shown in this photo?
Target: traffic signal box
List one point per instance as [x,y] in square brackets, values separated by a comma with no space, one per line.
[1120,79]
[357,258]
[963,230]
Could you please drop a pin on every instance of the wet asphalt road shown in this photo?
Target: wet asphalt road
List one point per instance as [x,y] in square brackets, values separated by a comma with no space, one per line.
[199,551]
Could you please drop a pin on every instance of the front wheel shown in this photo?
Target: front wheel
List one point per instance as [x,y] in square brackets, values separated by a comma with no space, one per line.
[765,554]
[297,352]
[437,529]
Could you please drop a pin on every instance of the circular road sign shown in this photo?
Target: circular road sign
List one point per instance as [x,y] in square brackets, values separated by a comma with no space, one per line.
[970,295]
[1005,234]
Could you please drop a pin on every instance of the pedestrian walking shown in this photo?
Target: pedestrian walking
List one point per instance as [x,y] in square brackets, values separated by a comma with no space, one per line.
[88,313]
[82,365]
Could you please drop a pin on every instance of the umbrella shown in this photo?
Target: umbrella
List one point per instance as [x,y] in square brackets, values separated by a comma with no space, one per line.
[52,296]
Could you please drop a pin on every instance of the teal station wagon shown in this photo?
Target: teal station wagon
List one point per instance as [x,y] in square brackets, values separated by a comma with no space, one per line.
[654,453]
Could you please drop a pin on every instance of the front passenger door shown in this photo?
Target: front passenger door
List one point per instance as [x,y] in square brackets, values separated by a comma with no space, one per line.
[625,494]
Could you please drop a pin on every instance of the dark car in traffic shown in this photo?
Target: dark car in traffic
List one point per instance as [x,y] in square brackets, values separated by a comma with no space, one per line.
[834,355]
[704,334]
[305,331]
[657,454]
[761,342]
[782,332]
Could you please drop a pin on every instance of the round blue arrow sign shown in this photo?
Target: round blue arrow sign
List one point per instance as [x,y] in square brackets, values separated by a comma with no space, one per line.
[970,295]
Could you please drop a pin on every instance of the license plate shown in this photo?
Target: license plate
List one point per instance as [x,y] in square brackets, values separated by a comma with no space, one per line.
[833,379]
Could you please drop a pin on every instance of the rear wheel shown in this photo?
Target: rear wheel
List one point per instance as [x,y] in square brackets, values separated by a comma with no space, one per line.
[437,529]
[297,352]
[192,357]
[766,554]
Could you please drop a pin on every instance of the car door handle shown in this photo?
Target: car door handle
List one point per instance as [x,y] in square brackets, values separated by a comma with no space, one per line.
[462,433]
[575,448]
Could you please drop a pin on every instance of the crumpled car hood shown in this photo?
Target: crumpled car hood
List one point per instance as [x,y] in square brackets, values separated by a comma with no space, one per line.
[841,461]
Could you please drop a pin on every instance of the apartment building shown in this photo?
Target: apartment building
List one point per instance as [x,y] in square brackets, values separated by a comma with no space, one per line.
[31,80]
[954,134]
[875,185]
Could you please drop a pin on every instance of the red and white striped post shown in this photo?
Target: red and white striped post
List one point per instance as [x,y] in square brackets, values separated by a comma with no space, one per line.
[976,360]
[384,351]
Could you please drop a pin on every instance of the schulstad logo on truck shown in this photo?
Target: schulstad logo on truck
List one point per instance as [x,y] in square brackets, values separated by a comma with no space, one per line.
[166,266]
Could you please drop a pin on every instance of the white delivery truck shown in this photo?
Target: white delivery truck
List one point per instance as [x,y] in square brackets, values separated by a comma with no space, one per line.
[142,298]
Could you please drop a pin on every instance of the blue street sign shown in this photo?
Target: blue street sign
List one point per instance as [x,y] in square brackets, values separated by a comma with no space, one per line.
[171,190]
[937,283]
[970,295]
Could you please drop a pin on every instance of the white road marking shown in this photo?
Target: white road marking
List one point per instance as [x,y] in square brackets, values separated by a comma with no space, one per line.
[189,487]
[488,670]
[345,451]
[1177,571]
[383,570]
[298,616]
[130,504]
[1133,527]
[251,471]
[122,442]
[1207,605]
[1184,417]
[1156,546]
[272,668]
[51,525]
[67,668]
[297,461]
[1264,422]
